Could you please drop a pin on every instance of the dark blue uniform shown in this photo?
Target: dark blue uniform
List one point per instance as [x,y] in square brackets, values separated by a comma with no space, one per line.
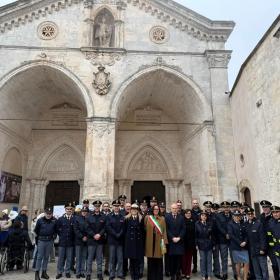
[274,229]
[134,244]
[45,230]
[95,225]
[257,244]
[65,230]
[115,231]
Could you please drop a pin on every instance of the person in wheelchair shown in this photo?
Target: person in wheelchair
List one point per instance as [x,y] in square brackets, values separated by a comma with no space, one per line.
[18,240]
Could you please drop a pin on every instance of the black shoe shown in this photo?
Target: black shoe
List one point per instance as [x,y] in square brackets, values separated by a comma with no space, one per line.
[99,277]
[68,275]
[194,270]
[44,275]
[111,278]
[167,274]
[58,276]
[37,276]
[235,277]
[121,277]
[88,277]
[225,277]
[141,275]
[218,276]
[82,275]
[78,276]
[106,272]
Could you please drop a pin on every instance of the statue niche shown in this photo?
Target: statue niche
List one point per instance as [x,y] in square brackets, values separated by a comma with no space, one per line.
[104,29]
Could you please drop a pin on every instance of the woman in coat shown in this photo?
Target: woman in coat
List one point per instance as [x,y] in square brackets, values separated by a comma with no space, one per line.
[156,239]
[189,243]
[134,241]
[204,243]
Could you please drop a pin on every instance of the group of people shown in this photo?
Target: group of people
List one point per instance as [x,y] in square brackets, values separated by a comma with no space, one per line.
[122,234]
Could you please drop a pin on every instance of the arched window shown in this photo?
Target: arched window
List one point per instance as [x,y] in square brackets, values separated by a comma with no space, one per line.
[247,196]
[104,29]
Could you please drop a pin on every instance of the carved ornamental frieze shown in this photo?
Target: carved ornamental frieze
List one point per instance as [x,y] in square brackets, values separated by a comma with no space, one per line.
[218,59]
[100,129]
[101,82]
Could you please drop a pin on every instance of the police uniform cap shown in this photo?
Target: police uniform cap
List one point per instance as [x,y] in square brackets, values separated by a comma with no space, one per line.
[144,202]
[135,202]
[97,203]
[153,199]
[275,208]
[162,205]
[85,209]
[48,210]
[122,197]
[235,204]
[134,206]
[225,204]
[116,203]
[265,203]
[244,205]
[215,206]
[69,204]
[86,201]
[203,212]
[236,213]
[179,201]
[208,204]
[249,210]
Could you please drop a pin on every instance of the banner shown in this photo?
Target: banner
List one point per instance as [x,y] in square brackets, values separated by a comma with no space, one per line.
[10,185]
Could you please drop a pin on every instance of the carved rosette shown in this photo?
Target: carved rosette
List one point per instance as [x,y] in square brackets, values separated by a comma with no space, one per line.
[101,128]
[101,81]
[218,59]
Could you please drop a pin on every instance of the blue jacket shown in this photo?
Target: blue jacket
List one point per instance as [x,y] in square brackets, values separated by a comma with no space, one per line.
[237,234]
[65,230]
[274,230]
[115,229]
[45,229]
[175,228]
[80,230]
[256,237]
[204,236]
[96,225]
[222,221]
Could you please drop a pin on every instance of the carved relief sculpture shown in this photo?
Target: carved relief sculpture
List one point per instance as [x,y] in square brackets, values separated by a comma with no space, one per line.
[101,81]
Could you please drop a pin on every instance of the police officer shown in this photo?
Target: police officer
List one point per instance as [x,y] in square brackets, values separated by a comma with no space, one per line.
[153,202]
[257,245]
[80,229]
[96,231]
[265,219]
[45,230]
[181,211]
[122,199]
[143,213]
[134,240]
[115,231]
[222,237]
[274,231]
[65,230]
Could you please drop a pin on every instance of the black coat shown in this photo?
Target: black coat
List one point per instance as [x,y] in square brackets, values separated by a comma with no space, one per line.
[80,230]
[134,238]
[45,229]
[196,214]
[175,228]
[115,229]
[237,234]
[18,239]
[65,231]
[24,219]
[96,225]
[189,239]
[256,237]
[222,228]
[204,238]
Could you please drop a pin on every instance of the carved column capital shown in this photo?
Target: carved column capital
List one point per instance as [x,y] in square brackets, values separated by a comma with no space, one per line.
[172,183]
[218,59]
[101,128]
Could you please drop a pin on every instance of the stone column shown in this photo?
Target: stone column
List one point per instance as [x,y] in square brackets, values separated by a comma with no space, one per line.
[81,184]
[218,62]
[99,160]
[125,188]
[171,191]
[37,194]
[87,26]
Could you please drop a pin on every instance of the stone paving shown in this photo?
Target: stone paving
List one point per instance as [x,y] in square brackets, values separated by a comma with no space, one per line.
[19,275]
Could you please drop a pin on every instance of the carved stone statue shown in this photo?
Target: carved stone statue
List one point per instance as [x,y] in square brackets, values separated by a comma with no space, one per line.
[103,33]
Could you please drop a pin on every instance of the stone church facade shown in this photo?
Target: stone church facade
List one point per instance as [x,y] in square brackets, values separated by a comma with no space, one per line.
[104,97]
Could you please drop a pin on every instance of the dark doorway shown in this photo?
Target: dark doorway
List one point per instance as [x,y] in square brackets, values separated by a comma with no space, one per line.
[247,196]
[147,189]
[60,192]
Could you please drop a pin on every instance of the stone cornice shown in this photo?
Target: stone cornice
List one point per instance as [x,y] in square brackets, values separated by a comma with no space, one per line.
[168,11]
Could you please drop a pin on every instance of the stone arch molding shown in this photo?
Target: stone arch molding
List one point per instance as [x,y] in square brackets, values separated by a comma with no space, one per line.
[162,154]
[56,66]
[206,108]
[51,151]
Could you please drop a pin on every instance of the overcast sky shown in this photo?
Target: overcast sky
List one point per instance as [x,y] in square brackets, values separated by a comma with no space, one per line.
[252,18]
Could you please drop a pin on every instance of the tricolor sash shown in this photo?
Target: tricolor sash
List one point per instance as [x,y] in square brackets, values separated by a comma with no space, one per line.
[158,228]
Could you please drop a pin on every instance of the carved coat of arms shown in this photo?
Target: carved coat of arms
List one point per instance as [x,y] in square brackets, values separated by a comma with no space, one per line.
[101,81]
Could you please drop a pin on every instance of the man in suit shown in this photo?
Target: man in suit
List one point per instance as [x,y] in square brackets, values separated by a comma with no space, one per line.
[176,229]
